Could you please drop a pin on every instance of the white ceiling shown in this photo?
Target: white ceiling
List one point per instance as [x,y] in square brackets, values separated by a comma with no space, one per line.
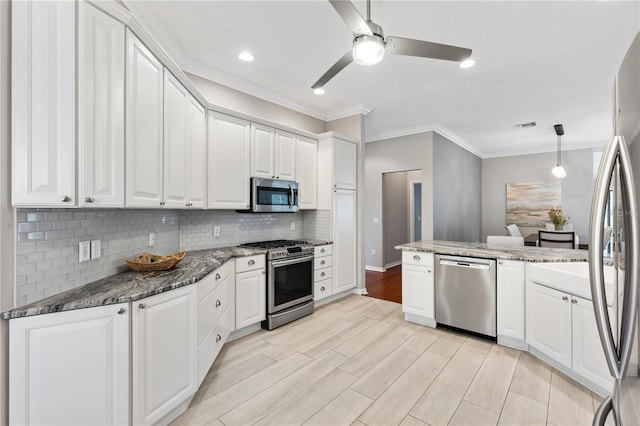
[544,61]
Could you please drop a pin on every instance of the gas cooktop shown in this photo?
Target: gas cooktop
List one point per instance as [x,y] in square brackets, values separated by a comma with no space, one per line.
[275,244]
[280,249]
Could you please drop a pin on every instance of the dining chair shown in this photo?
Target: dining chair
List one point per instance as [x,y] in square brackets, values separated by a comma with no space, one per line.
[557,239]
[501,240]
[513,231]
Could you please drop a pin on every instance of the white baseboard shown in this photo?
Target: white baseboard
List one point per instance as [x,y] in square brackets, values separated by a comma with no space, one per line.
[429,322]
[513,343]
[374,268]
[361,291]
[392,264]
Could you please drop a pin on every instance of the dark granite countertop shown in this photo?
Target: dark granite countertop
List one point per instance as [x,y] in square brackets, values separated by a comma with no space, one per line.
[131,285]
[483,250]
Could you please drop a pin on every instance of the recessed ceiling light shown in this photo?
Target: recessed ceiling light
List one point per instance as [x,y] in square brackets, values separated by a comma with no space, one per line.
[319,91]
[246,56]
[467,63]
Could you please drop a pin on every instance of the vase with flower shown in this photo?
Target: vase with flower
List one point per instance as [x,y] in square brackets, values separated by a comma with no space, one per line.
[558,218]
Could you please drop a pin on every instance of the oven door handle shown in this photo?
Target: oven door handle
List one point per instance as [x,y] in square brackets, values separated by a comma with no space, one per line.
[291,261]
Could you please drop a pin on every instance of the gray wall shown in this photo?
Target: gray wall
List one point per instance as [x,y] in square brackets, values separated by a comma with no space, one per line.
[577,187]
[395,213]
[457,192]
[413,152]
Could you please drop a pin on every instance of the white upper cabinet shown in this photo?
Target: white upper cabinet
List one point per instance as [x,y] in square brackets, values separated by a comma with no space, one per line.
[101,44]
[344,164]
[144,156]
[185,141]
[43,103]
[285,155]
[262,151]
[273,153]
[307,173]
[229,148]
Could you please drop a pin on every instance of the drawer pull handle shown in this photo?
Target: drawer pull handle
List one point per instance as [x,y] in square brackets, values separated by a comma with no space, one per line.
[322,274]
[416,257]
[121,311]
[428,271]
[321,250]
[322,288]
[218,338]
[565,298]
[574,301]
[218,303]
[322,262]
[142,305]
[89,199]
[251,262]
[65,199]
[500,262]
[217,276]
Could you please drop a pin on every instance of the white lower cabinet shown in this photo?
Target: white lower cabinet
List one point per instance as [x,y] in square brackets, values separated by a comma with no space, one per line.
[165,357]
[251,291]
[510,302]
[323,272]
[562,327]
[418,297]
[70,367]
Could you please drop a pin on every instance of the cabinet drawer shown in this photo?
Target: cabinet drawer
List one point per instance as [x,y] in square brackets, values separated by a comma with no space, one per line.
[212,343]
[417,258]
[211,281]
[322,274]
[323,262]
[322,289]
[250,263]
[212,306]
[325,250]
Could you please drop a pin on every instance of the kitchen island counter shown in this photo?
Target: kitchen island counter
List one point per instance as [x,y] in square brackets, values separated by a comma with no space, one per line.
[131,285]
[483,250]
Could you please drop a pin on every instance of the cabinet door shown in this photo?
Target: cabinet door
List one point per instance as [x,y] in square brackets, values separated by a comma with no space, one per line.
[307,173]
[285,155]
[229,147]
[588,355]
[251,299]
[197,155]
[143,126]
[548,322]
[165,353]
[70,367]
[176,145]
[510,299]
[417,291]
[101,109]
[262,151]
[344,240]
[344,164]
[43,103]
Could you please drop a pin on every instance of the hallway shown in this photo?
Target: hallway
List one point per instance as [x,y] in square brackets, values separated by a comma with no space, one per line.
[385,285]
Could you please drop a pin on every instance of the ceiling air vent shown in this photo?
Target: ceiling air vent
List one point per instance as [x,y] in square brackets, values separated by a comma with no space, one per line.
[526,125]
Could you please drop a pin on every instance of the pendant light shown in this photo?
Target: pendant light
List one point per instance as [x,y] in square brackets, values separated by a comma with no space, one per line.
[558,171]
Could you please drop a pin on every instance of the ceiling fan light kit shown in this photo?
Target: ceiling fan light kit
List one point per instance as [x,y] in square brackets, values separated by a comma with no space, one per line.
[370,44]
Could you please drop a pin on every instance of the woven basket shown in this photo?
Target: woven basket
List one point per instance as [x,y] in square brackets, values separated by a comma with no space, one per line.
[153,262]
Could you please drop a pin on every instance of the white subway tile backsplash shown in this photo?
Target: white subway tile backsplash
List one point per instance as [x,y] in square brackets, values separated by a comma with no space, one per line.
[316,224]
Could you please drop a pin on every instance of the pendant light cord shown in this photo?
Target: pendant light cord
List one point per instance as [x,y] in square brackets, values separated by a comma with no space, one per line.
[559,155]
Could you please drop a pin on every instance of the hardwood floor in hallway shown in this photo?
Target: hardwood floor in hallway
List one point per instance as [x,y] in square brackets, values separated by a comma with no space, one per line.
[385,285]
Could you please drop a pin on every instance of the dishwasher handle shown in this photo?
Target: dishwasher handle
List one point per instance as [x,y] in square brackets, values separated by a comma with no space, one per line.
[465,264]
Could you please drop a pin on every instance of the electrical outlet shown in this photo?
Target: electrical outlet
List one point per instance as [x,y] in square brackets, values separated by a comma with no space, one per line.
[84,251]
[293,226]
[96,249]
[216,231]
[152,239]
[373,252]
[375,221]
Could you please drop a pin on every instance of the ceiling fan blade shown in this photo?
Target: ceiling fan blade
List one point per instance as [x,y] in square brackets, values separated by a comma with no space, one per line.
[351,17]
[335,69]
[426,49]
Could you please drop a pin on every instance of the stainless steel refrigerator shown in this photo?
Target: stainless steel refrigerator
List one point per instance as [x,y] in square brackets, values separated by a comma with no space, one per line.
[615,196]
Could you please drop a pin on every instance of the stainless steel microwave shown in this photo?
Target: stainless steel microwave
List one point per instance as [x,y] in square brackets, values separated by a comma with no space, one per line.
[272,195]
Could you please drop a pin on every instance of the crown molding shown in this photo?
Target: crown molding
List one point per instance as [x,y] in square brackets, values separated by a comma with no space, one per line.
[515,153]
[441,130]
[351,111]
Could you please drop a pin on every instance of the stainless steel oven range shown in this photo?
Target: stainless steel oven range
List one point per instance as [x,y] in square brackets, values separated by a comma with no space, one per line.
[289,280]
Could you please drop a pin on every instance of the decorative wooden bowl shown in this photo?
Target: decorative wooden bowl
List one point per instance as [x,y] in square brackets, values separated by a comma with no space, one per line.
[153,262]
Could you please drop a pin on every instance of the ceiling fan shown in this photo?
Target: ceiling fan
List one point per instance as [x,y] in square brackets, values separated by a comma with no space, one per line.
[370,44]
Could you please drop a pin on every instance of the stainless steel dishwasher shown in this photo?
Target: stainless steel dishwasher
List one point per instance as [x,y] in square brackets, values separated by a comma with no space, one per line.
[466,293]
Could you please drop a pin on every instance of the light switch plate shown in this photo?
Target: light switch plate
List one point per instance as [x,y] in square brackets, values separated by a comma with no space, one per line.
[96,249]
[84,251]
[152,239]
[216,231]
[293,226]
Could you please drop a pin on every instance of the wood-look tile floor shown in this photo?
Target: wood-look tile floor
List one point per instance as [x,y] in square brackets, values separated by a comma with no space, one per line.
[356,361]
